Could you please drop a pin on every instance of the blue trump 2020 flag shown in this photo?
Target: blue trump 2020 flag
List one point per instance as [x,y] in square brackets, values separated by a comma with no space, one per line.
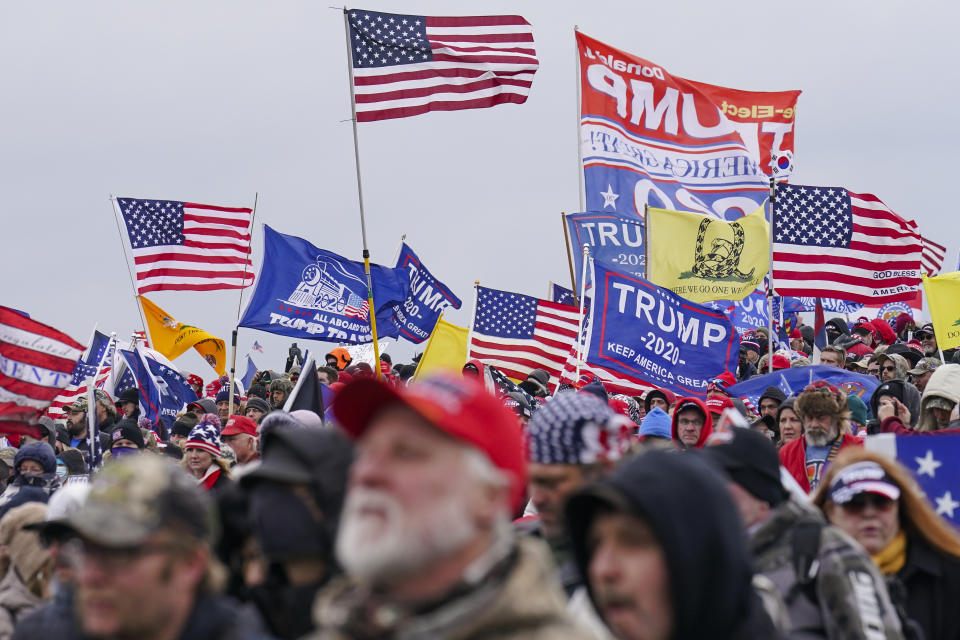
[418,314]
[306,292]
[615,240]
[792,381]
[644,331]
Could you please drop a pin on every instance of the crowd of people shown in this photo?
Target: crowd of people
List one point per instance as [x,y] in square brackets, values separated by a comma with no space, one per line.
[466,505]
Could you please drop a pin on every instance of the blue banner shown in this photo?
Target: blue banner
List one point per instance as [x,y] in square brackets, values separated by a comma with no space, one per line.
[308,293]
[561,295]
[933,465]
[149,391]
[417,316]
[792,381]
[798,305]
[750,313]
[641,330]
[164,391]
[615,240]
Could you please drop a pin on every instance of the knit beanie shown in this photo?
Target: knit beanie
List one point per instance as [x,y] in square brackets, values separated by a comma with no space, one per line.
[858,410]
[127,430]
[656,424]
[184,425]
[576,428]
[751,461]
[73,460]
[259,404]
[206,437]
[596,388]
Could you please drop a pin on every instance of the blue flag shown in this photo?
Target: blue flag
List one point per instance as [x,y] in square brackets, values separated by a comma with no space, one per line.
[792,381]
[798,305]
[418,314]
[247,379]
[561,294]
[643,331]
[750,313]
[615,240]
[932,461]
[149,391]
[174,392]
[306,292]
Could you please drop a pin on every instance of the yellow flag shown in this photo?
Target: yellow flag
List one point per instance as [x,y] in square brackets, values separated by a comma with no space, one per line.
[172,338]
[943,301]
[446,350]
[703,258]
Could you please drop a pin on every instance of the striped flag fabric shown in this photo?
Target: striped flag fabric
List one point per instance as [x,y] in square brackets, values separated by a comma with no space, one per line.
[36,363]
[612,381]
[184,246]
[517,333]
[832,243]
[932,256]
[405,65]
[76,389]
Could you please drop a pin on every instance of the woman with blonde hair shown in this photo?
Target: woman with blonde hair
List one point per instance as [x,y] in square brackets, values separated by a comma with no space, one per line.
[876,500]
[202,456]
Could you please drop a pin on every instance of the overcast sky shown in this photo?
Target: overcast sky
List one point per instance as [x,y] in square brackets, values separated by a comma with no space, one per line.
[215,101]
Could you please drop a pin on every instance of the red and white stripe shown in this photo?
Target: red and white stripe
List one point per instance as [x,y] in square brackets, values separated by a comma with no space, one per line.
[478,62]
[215,253]
[36,363]
[58,408]
[613,382]
[884,253]
[555,330]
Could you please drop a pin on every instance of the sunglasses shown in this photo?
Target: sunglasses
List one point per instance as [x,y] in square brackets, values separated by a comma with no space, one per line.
[860,501]
[890,368]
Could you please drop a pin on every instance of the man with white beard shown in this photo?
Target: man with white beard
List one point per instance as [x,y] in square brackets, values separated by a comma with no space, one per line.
[823,410]
[425,536]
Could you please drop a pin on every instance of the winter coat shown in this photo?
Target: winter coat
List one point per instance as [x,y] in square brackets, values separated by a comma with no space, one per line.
[704,432]
[894,425]
[793,457]
[524,604]
[884,331]
[943,383]
[831,605]
[686,504]
[903,391]
[932,582]
[15,602]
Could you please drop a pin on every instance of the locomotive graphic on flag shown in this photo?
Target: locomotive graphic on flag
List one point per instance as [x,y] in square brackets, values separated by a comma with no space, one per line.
[319,289]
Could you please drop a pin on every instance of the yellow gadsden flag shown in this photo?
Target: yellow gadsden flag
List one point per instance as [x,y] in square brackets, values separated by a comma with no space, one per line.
[172,338]
[703,258]
[446,350]
[943,301]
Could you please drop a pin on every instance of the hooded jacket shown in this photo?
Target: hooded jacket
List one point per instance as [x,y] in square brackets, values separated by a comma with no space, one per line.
[342,356]
[704,432]
[902,391]
[943,383]
[666,394]
[698,529]
[884,331]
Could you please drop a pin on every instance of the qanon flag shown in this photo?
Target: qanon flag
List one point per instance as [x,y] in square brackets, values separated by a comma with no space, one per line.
[418,314]
[306,292]
[648,137]
[615,240]
[643,331]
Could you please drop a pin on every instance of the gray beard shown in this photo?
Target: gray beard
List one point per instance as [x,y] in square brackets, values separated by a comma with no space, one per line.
[929,351]
[820,438]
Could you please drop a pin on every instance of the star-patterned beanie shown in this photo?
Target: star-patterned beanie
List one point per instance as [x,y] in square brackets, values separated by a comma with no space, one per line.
[577,428]
[205,437]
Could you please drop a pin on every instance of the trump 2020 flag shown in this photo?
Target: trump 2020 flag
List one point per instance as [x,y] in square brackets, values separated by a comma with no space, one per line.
[792,381]
[614,239]
[417,316]
[932,461]
[647,332]
[405,65]
[306,292]
[702,258]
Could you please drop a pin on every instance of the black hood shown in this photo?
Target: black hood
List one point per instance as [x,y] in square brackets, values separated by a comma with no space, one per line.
[685,502]
[839,325]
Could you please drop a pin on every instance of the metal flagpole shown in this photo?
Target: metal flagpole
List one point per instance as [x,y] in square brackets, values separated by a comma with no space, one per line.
[233,369]
[363,223]
[133,284]
[582,192]
[923,281]
[583,296]
[771,290]
[253,216]
[566,235]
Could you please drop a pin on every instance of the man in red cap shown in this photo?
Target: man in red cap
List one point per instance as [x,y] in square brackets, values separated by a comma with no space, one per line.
[425,535]
[240,434]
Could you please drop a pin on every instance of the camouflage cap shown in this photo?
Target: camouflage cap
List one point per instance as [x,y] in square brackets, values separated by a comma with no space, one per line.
[925,365]
[102,396]
[80,405]
[133,498]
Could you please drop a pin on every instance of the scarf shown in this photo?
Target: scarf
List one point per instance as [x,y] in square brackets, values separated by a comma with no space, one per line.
[210,477]
[892,558]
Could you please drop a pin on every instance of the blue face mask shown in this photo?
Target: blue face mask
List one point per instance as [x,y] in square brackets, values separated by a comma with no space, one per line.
[61,469]
[122,452]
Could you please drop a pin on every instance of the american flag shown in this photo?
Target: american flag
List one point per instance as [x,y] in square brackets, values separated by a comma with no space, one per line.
[612,381]
[36,363]
[406,65]
[183,246]
[356,307]
[518,333]
[101,348]
[933,254]
[832,243]
[257,346]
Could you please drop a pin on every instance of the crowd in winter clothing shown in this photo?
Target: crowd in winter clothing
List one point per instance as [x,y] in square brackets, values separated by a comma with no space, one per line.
[469,505]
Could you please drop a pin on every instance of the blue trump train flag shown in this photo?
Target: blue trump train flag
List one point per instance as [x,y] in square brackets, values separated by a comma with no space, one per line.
[643,331]
[792,381]
[418,314]
[306,292]
[615,240]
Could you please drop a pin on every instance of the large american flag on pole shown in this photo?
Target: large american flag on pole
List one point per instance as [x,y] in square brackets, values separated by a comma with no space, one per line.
[517,333]
[184,246]
[405,65]
[932,255]
[832,243]
[612,381]
[100,350]
[36,362]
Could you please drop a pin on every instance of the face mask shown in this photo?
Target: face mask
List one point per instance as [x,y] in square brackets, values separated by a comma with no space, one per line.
[61,469]
[122,452]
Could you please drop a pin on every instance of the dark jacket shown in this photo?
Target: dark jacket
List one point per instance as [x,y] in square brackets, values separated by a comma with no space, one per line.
[932,582]
[686,504]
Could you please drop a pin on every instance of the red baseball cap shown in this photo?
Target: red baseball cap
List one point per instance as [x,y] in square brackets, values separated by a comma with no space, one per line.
[460,407]
[240,424]
[717,404]
[781,361]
